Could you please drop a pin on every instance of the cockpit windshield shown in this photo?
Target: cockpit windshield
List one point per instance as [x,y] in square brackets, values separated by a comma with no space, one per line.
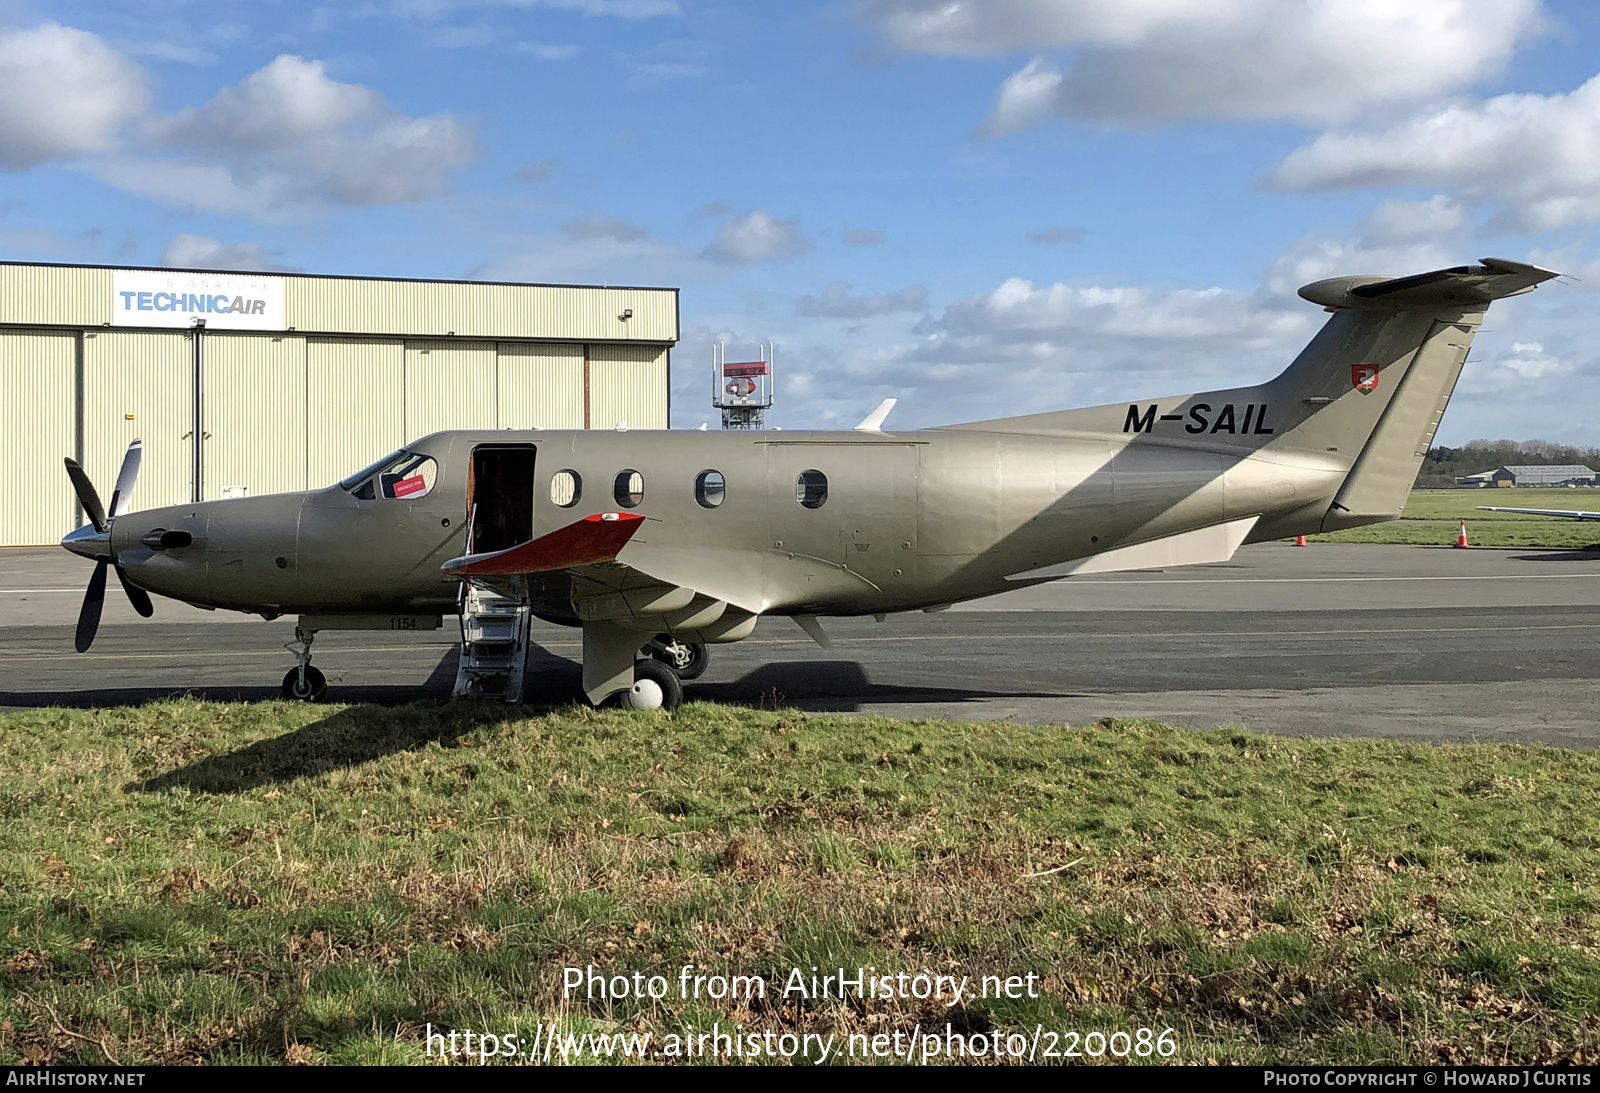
[402,476]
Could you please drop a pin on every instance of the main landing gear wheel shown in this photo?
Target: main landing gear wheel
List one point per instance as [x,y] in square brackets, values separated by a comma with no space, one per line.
[689,659]
[308,688]
[655,687]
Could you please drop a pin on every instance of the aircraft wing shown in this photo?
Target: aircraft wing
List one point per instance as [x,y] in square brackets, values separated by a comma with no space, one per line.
[581,564]
[1569,514]
[593,540]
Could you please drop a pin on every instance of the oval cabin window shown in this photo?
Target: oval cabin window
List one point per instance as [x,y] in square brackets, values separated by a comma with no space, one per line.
[565,488]
[630,489]
[710,488]
[811,489]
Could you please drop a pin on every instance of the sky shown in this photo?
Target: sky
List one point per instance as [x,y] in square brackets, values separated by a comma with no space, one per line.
[979,208]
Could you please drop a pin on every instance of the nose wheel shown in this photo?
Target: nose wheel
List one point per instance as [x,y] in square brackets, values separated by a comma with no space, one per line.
[303,683]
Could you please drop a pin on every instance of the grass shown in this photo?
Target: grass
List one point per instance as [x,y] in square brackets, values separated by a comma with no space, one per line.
[1548,534]
[1463,504]
[1430,515]
[188,881]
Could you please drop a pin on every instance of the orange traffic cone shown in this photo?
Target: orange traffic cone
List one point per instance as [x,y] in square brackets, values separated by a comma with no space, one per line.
[1299,540]
[1461,536]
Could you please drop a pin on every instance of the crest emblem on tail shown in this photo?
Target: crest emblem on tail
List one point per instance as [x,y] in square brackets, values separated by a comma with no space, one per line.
[1364,378]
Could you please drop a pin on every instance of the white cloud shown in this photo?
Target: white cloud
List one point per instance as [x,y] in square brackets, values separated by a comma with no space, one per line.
[188,251]
[835,302]
[1141,61]
[546,52]
[1396,222]
[537,171]
[601,226]
[1027,97]
[63,93]
[1536,156]
[1047,237]
[862,237]
[1022,348]
[668,70]
[621,9]
[756,237]
[288,138]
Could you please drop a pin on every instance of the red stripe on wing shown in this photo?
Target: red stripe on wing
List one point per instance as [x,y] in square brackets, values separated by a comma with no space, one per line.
[593,539]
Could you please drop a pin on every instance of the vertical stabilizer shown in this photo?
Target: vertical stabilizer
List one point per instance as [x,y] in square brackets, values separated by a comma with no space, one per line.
[1390,396]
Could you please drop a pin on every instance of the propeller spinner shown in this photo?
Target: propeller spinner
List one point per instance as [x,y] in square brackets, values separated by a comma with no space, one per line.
[94,542]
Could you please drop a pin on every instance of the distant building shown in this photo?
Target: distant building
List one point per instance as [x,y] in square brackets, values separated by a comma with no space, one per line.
[1557,474]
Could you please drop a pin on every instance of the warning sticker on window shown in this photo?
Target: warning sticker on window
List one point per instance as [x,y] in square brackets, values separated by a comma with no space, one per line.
[410,487]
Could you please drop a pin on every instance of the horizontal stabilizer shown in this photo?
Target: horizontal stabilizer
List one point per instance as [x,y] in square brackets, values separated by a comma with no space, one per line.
[593,539]
[1467,287]
[1566,514]
[1202,546]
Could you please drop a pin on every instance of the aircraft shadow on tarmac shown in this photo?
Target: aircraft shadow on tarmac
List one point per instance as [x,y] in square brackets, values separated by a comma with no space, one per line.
[831,685]
[553,680]
[439,682]
[1579,554]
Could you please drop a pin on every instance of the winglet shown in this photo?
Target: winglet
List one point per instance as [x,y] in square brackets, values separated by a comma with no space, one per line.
[873,422]
[593,539]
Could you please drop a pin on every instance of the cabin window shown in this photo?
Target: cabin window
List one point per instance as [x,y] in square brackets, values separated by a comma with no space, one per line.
[811,489]
[405,476]
[629,489]
[710,488]
[566,488]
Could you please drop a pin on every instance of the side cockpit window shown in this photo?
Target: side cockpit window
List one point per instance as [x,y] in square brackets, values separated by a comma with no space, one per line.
[404,476]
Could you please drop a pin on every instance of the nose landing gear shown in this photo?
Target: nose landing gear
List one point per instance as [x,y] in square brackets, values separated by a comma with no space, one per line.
[303,683]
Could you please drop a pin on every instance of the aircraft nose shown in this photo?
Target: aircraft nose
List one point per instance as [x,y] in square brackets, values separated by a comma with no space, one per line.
[86,542]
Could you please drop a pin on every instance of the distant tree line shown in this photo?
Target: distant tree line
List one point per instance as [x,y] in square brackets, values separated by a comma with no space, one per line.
[1443,466]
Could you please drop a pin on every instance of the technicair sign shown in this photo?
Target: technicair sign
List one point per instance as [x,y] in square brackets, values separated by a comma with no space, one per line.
[226,301]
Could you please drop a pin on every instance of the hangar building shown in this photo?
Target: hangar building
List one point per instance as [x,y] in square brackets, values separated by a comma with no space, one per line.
[264,382]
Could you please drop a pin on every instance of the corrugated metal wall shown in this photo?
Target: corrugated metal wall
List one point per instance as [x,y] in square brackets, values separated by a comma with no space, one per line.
[541,386]
[139,385]
[55,295]
[449,385]
[355,405]
[480,311]
[627,385]
[254,396]
[37,425]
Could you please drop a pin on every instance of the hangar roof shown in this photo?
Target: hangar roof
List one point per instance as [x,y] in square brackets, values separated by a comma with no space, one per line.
[79,296]
[1570,470]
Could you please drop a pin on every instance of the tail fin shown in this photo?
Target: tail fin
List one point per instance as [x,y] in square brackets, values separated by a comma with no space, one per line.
[1368,391]
[1381,372]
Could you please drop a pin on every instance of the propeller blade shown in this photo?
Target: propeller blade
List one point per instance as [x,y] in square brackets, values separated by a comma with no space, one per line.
[93,600]
[136,595]
[126,478]
[87,497]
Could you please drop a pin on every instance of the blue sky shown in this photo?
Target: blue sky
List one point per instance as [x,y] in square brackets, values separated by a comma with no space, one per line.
[980,209]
